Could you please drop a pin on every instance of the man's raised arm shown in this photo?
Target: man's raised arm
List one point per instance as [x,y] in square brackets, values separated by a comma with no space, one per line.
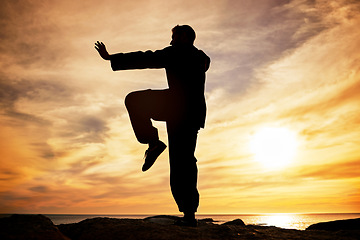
[133,60]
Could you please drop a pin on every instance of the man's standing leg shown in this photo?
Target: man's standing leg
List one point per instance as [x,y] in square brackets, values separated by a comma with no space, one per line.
[142,107]
[183,171]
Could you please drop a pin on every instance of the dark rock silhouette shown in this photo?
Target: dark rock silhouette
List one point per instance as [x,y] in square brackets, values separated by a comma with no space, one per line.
[31,227]
[349,224]
[236,222]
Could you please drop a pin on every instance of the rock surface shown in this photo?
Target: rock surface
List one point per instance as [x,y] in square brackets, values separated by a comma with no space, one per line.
[349,224]
[29,227]
[158,227]
[236,222]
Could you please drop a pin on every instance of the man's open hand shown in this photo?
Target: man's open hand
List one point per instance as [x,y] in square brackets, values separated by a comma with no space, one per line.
[100,47]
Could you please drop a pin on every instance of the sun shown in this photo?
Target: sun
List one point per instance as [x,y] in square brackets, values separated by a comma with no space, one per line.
[274,147]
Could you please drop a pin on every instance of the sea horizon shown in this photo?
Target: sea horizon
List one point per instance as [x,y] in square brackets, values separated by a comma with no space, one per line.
[299,221]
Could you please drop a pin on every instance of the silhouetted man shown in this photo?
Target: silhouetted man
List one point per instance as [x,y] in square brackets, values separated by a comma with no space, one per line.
[182,106]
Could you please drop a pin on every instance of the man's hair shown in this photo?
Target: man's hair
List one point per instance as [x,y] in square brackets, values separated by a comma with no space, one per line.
[186,31]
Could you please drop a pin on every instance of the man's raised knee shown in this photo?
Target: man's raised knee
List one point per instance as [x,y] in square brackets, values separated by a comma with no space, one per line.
[130,99]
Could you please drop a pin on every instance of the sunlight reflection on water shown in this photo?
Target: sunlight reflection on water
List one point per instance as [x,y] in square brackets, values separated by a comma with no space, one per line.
[284,220]
[280,220]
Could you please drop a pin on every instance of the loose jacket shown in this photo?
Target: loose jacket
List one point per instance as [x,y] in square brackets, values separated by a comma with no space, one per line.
[185,70]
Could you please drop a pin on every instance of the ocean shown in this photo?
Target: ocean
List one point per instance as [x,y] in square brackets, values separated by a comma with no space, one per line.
[282,220]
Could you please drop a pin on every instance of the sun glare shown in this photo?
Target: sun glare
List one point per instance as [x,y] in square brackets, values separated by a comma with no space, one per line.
[273,147]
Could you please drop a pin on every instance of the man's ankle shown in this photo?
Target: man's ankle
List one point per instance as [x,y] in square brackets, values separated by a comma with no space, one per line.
[189,215]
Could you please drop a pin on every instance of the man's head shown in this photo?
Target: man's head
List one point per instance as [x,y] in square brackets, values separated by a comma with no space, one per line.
[183,35]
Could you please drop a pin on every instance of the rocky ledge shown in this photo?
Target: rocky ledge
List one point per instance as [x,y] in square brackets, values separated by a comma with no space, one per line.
[39,227]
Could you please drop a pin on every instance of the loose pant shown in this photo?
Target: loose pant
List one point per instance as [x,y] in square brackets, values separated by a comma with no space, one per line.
[162,105]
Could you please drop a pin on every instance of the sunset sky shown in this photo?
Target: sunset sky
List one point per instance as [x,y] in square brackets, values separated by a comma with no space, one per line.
[283,73]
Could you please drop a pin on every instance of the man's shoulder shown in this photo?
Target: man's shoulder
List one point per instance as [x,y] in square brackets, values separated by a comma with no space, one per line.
[187,51]
[166,49]
[183,49]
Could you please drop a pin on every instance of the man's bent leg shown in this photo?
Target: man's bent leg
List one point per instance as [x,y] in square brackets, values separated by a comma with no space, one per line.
[142,106]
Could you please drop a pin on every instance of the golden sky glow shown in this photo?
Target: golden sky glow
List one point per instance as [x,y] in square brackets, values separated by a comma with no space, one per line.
[66,144]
